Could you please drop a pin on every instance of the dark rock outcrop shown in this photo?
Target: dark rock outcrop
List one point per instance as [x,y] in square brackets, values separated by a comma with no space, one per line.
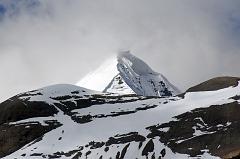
[215,128]
[215,84]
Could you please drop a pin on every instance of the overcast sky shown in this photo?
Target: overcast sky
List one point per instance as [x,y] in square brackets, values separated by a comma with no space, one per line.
[45,42]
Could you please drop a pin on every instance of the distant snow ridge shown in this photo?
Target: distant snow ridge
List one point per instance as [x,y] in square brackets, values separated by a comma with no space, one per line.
[128,74]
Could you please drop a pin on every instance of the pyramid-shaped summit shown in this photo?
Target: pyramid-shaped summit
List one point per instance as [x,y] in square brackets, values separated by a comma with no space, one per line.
[127,74]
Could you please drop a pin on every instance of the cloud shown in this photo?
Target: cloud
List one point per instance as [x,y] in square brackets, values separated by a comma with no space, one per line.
[59,41]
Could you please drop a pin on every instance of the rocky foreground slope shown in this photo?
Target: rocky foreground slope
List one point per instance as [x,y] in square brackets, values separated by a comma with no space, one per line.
[67,121]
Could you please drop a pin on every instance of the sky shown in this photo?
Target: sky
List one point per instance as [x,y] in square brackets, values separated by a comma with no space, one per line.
[44,42]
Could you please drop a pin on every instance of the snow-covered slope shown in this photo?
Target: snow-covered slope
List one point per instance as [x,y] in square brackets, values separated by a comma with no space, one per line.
[96,125]
[127,74]
[47,94]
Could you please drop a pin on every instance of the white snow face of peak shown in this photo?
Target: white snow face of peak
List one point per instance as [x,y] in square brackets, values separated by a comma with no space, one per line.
[118,86]
[142,79]
[101,77]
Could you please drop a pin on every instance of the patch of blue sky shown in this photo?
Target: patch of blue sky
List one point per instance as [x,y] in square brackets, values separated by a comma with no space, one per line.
[13,7]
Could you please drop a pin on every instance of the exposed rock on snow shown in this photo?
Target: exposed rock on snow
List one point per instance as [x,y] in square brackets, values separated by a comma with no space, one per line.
[82,123]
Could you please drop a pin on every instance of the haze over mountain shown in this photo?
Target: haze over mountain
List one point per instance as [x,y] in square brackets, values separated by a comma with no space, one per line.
[46,42]
[126,108]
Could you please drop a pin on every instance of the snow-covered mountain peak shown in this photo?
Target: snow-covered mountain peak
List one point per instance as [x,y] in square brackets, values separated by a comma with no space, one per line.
[127,74]
[131,61]
[142,79]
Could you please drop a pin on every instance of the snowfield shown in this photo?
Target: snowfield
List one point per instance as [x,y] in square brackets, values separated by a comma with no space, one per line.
[111,120]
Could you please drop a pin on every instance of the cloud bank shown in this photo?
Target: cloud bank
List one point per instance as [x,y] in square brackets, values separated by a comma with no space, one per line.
[59,41]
